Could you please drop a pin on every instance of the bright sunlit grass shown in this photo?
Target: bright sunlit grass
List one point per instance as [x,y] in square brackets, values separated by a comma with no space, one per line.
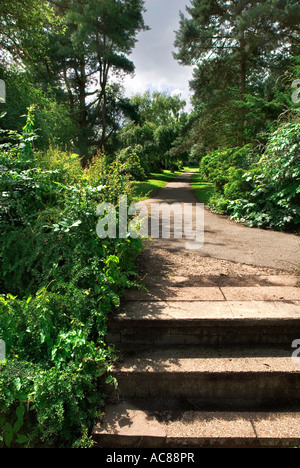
[203,190]
[146,188]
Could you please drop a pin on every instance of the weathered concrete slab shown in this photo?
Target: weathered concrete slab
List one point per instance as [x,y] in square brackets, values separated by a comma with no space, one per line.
[210,310]
[241,280]
[209,359]
[213,293]
[176,294]
[261,293]
[205,323]
[125,425]
[211,374]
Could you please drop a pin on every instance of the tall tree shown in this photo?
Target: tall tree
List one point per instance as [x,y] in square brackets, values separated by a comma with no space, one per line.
[233,45]
[99,37]
[74,48]
[158,107]
[24,24]
[158,122]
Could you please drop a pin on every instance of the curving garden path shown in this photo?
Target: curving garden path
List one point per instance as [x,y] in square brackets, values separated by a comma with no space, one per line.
[228,240]
[207,346]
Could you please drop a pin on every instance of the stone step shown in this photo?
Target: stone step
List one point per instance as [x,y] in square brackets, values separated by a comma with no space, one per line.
[205,323]
[215,293]
[128,425]
[219,280]
[232,374]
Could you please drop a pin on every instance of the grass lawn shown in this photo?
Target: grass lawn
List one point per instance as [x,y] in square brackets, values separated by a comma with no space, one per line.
[145,189]
[202,190]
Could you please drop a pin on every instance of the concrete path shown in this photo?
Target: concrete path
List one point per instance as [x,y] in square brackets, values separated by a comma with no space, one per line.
[228,240]
[207,346]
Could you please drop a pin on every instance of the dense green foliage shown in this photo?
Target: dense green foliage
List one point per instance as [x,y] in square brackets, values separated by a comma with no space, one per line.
[69,140]
[52,120]
[246,62]
[59,282]
[151,137]
[240,52]
[261,190]
[70,51]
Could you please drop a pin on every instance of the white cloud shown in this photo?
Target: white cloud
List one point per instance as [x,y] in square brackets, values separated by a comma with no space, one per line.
[155,67]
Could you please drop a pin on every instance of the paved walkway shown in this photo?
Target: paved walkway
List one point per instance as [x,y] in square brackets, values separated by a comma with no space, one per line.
[207,346]
[227,240]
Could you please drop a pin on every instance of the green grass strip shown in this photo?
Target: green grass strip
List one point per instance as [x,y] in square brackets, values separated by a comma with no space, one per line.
[146,188]
[202,190]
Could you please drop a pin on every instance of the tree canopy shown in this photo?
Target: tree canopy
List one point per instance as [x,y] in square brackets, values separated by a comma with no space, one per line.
[74,49]
[236,49]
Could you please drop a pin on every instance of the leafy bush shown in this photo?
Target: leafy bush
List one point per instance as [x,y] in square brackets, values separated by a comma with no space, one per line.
[52,117]
[262,192]
[141,139]
[59,282]
[131,158]
[275,197]
[218,166]
[236,186]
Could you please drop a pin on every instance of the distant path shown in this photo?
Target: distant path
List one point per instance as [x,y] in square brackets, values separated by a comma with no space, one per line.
[206,346]
[228,240]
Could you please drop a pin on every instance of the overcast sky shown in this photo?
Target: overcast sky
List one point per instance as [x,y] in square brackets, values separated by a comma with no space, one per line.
[155,67]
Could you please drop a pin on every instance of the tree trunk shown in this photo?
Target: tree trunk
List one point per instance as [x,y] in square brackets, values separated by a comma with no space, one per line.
[83,138]
[243,73]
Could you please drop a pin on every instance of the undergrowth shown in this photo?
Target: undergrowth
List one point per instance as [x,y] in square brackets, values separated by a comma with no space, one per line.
[261,189]
[59,283]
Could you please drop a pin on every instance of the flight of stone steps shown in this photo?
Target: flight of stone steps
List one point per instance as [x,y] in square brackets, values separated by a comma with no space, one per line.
[207,362]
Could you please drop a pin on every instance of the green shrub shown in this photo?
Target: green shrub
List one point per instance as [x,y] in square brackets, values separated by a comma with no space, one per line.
[130,157]
[59,282]
[267,194]
[218,204]
[237,187]
[218,166]
[275,197]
